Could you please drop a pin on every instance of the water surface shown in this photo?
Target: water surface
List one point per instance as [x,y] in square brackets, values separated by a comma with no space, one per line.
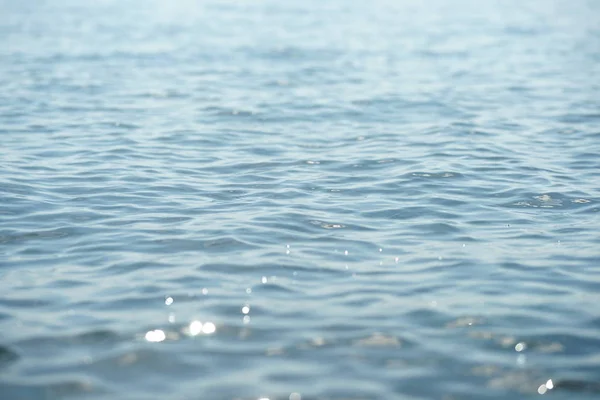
[299,200]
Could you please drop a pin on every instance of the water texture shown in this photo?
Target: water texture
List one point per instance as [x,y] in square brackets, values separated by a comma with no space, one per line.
[300,200]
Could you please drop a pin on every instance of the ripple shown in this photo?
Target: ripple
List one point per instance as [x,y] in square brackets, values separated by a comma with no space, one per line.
[577,386]
[7,356]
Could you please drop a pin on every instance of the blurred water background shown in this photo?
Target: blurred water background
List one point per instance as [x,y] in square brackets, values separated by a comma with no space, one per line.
[309,199]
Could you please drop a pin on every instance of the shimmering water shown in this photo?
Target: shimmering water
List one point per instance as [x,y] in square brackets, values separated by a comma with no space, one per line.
[308,199]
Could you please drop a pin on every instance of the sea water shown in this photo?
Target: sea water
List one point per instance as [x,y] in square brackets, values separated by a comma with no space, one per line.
[299,200]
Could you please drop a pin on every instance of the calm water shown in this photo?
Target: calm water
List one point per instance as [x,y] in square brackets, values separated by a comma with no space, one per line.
[322,199]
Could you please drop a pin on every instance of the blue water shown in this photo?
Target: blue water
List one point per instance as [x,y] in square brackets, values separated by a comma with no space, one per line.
[299,200]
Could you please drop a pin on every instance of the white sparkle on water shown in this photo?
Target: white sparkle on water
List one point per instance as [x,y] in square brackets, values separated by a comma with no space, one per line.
[155,336]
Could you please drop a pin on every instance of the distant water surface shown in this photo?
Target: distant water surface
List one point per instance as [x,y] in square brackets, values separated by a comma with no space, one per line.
[299,200]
